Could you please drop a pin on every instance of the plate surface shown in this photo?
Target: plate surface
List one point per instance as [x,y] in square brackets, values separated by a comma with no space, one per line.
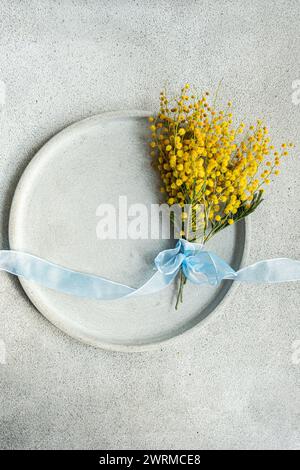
[53,216]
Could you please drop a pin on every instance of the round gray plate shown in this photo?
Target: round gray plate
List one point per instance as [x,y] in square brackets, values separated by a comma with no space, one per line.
[53,216]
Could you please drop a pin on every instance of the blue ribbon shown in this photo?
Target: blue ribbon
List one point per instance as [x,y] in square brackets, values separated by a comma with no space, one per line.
[198,265]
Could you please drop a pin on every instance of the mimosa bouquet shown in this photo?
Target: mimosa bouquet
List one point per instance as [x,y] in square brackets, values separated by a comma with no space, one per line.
[209,166]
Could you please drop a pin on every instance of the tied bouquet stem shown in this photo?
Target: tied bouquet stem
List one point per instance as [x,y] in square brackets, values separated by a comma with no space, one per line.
[206,163]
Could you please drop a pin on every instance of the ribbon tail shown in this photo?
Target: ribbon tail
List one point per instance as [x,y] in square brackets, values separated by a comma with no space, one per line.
[61,279]
[67,281]
[155,284]
[271,270]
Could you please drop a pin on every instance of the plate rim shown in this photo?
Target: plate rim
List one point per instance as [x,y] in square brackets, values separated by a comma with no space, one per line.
[17,200]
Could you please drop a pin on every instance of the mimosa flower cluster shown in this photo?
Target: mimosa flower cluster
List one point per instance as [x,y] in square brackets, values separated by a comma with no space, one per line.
[205,160]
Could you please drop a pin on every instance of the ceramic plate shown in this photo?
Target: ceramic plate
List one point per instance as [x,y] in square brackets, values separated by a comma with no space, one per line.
[53,216]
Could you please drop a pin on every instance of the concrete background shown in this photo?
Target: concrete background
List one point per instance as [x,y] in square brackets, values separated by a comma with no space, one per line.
[233,384]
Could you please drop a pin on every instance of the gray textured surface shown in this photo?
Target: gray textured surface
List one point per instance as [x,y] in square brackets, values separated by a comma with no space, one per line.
[234,383]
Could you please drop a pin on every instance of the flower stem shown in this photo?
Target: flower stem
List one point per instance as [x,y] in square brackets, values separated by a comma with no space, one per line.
[182,281]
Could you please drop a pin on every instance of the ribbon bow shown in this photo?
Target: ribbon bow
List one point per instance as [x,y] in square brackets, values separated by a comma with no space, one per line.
[198,265]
